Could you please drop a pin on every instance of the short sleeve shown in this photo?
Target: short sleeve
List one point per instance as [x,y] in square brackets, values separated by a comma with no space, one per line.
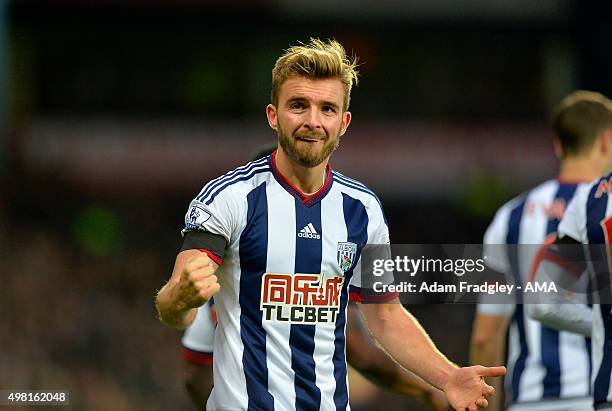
[495,252]
[216,217]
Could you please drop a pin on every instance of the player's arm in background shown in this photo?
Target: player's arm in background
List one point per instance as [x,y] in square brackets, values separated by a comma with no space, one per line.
[198,380]
[373,363]
[493,315]
[197,353]
[564,263]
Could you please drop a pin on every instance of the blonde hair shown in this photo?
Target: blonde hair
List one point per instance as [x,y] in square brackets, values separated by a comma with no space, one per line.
[580,118]
[317,60]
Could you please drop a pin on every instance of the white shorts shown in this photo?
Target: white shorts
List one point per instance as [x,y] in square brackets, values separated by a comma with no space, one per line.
[577,404]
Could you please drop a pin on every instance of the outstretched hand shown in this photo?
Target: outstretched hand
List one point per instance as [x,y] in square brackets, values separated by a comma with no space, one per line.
[466,389]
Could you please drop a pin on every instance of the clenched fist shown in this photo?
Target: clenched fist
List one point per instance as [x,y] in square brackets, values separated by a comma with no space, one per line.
[198,282]
[193,283]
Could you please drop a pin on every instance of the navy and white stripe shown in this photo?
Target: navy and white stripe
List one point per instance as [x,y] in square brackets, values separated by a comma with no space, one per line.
[212,189]
[543,364]
[269,363]
[597,209]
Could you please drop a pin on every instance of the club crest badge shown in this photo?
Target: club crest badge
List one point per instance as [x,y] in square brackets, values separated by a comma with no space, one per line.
[346,255]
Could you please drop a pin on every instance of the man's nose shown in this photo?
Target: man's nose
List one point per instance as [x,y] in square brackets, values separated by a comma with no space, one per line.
[313,120]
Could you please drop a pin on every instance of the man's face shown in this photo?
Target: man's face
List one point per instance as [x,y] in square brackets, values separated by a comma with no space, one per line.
[309,119]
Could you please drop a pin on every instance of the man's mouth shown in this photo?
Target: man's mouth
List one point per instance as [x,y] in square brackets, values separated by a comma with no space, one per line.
[309,139]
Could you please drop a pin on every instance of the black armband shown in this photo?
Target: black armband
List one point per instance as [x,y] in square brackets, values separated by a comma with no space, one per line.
[203,240]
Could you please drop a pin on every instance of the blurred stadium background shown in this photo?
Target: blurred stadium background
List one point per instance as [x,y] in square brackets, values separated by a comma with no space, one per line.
[113,113]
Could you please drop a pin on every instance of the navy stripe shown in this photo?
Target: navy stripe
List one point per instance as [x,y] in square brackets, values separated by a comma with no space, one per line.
[512,238]
[549,338]
[308,255]
[228,176]
[596,212]
[549,345]
[243,178]
[356,221]
[338,179]
[565,192]
[589,349]
[602,380]
[253,261]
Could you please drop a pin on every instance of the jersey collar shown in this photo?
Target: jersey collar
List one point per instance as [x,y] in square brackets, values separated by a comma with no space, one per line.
[307,200]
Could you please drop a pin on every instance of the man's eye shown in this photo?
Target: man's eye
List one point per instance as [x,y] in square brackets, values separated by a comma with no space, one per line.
[296,106]
[329,109]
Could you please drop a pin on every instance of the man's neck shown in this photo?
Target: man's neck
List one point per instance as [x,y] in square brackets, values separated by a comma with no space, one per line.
[581,169]
[306,179]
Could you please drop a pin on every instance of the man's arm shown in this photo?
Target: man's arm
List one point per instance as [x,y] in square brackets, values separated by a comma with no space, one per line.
[563,263]
[404,339]
[373,363]
[192,284]
[488,347]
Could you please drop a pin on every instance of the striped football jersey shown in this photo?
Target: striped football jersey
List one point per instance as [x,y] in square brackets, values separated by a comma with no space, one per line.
[543,364]
[290,262]
[588,220]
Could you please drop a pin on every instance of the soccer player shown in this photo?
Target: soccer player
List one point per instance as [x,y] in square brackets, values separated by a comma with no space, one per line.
[361,353]
[548,369]
[586,222]
[278,242]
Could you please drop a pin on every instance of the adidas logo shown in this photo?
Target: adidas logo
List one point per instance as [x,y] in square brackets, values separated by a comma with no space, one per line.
[309,232]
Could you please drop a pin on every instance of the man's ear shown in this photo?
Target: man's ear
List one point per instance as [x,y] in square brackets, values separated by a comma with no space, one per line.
[346,120]
[606,141]
[271,114]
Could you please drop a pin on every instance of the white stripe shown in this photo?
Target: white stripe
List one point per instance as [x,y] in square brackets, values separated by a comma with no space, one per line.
[312,228]
[281,217]
[574,362]
[229,390]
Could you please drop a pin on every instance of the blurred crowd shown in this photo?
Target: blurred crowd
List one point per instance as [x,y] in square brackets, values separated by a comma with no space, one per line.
[85,323]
